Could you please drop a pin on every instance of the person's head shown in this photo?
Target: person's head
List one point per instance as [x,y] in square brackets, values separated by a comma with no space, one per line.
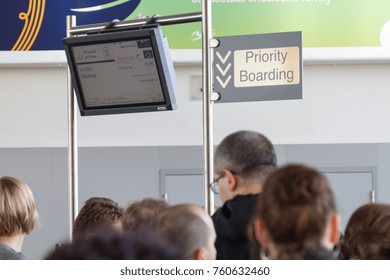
[367,235]
[97,212]
[108,244]
[190,229]
[18,213]
[140,216]
[243,159]
[296,211]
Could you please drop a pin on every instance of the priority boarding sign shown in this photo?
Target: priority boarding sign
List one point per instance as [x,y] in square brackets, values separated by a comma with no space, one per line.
[258,67]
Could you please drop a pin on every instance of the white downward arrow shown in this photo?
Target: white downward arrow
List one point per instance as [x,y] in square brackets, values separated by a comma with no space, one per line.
[224,59]
[224,84]
[223,72]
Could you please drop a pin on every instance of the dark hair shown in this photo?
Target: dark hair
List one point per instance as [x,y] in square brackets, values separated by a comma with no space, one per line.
[107,244]
[254,245]
[246,153]
[141,215]
[96,212]
[295,207]
[367,235]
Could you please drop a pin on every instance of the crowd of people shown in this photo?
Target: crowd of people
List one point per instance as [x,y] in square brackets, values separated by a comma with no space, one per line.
[284,212]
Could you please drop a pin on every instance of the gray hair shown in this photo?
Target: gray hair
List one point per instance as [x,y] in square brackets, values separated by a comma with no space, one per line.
[246,153]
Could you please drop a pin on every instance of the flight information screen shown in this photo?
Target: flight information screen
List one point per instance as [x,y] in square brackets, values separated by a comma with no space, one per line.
[118,73]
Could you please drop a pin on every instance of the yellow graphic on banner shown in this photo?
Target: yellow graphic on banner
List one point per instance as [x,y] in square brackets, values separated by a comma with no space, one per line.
[32,24]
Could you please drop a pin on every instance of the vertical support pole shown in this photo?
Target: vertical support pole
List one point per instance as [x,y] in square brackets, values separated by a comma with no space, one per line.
[72,142]
[207,77]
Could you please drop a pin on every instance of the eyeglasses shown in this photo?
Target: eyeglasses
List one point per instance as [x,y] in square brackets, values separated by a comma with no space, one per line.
[214,185]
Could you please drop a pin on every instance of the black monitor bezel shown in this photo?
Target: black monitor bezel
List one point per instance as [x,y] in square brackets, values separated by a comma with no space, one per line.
[163,63]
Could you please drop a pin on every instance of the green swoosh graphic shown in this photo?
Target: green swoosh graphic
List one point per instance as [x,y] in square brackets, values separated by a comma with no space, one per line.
[100,7]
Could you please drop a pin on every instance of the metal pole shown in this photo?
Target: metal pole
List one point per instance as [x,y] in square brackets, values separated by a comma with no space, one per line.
[163,20]
[205,17]
[207,105]
[72,142]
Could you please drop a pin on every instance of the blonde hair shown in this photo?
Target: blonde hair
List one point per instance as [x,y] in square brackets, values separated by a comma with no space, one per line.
[18,213]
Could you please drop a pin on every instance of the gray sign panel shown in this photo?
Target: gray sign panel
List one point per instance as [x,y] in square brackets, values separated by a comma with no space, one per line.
[258,67]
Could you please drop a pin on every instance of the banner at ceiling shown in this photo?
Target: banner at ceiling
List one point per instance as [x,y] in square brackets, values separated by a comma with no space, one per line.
[40,24]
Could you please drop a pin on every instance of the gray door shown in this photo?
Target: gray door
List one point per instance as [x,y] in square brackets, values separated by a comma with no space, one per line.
[352,187]
[183,186]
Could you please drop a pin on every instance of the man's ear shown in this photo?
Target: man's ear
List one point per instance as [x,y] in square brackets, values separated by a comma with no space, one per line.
[232,180]
[261,233]
[199,254]
[334,228]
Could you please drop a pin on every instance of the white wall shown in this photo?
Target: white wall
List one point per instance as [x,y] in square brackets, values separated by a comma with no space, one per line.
[343,103]
[33,107]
